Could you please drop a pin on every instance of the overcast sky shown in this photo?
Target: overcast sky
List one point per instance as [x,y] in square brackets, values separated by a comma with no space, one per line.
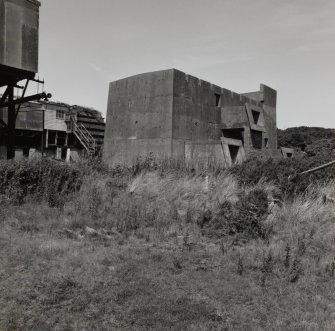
[237,44]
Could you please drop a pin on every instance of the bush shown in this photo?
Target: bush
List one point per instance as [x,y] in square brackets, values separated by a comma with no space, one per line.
[45,179]
[301,137]
[278,171]
[246,216]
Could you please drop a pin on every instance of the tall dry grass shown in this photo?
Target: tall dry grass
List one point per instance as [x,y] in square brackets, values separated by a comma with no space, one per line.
[126,251]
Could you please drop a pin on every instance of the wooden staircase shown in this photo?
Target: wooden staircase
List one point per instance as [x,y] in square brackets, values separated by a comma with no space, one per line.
[84,137]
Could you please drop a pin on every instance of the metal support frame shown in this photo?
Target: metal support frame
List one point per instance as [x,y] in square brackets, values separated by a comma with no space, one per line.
[11,124]
[7,101]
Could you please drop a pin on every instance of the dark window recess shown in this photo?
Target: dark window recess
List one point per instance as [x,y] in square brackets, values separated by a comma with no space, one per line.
[289,154]
[71,140]
[61,139]
[256,139]
[234,134]
[217,100]
[52,138]
[26,152]
[266,142]
[255,115]
[233,150]
[63,156]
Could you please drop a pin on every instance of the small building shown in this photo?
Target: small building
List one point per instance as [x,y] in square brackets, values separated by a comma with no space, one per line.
[55,129]
[174,115]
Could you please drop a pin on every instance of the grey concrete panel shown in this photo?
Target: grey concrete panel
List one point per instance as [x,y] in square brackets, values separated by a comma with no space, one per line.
[139,114]
[126,151]
[269,95]
[234,116]
[204,154]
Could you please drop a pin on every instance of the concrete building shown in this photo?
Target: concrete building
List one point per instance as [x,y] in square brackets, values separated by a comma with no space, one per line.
[54,129]
[174,115]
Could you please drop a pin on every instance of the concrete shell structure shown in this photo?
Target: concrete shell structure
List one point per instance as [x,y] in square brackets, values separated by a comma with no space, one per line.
[174,115]
[19,22]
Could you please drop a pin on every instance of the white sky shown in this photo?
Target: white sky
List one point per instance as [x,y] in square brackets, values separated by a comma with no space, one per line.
[237,44]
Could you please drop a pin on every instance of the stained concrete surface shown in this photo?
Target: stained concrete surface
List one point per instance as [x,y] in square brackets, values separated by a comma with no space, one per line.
[165,112]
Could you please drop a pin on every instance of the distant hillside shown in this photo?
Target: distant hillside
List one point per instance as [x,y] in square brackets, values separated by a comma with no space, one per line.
[313,141]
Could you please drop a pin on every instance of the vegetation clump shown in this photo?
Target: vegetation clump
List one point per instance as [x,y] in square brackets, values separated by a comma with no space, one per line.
[44,179]
[246,216]
[163,246]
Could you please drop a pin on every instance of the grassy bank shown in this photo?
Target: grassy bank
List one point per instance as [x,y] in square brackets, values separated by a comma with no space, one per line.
[160,246]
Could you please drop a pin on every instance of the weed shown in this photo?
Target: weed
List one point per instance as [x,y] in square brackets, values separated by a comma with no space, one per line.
[267,267]
[296,270]
[240,266]
[177,263]
[130,273]
[287,256]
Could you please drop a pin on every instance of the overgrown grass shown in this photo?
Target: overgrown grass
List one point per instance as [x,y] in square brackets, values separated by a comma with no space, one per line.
[161,246]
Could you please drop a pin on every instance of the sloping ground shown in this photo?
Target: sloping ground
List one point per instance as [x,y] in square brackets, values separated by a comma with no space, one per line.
[142,254]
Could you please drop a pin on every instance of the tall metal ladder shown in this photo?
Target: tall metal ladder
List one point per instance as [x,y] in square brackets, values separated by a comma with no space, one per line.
[84,137]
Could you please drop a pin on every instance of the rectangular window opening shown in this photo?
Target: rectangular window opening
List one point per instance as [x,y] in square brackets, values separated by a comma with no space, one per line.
[256,139]
[217,100]
[60,114]
[266,142]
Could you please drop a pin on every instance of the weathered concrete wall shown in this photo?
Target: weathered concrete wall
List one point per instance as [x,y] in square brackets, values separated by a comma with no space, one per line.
[162,112]
[198,115]
[269,106]
[195,115]
[139,117]
[204,154]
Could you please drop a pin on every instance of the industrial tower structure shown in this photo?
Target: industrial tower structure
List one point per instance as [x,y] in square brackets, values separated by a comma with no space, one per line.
[19,30]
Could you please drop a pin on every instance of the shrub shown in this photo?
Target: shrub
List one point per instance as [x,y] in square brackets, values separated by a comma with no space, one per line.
[47,180]
[246,216]
[278,171]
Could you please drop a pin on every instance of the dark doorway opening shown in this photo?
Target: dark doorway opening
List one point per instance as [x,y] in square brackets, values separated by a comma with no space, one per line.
[256,139]
[52,137]
[289,155]
[61,138]
[233,150]
[26,152]
[255,115]
[63,155]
